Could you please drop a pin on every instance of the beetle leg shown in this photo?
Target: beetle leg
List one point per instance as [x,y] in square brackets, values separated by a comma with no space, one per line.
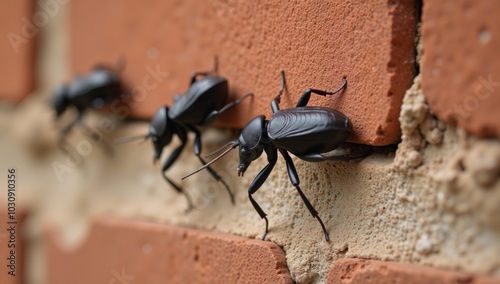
[66,129]
[66,147]
[175,97]
[294,178]
[170,161]
[206,73]
[196,74]
[257,182]
[275,104]
[304,99]
[234,103]
[61,141]
[214,114]
[197,151]
[316,157]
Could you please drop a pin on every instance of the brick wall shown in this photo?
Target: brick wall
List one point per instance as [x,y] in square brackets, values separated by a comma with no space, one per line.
[19,34]
[422,212]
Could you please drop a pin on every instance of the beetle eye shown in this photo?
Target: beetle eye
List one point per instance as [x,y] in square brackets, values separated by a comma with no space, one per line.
[245,153]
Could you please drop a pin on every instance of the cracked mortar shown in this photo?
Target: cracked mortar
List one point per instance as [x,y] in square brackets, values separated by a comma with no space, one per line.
[433,202]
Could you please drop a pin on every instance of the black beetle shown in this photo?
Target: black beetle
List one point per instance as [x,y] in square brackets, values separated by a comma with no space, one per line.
[308,132]
[101,86]
[202,103]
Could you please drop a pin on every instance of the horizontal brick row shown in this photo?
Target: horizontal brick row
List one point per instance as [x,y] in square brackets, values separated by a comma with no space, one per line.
[139,252]
[317,44]
[19,31]
[122,250]
[361,271]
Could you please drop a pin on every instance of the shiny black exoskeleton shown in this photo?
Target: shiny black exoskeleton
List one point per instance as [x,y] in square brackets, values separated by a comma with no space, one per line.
[308,132]
[202,103]
[98,88]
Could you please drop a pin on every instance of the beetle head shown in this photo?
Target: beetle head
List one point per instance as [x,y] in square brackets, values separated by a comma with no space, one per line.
[251,143]
[60,100]
[160,131]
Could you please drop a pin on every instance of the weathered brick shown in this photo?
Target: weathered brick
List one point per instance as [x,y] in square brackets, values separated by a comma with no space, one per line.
[17,49]
[316,43]
[152,253]
[461,67]
[364,271]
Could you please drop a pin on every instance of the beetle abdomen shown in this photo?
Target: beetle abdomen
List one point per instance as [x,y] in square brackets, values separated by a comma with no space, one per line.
[203,97]
[100,84]
[305,130]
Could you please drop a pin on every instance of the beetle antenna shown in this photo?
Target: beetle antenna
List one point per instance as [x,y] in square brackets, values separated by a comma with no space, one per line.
[234,144]
[215,67]
[128,139]
[145,139]
[218,150]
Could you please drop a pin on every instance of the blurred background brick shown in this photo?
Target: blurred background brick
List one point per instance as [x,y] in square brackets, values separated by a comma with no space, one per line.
[362,271]
[461,66]
[19,30]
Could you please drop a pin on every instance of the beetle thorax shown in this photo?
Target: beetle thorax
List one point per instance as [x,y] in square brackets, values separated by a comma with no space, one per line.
[161,130]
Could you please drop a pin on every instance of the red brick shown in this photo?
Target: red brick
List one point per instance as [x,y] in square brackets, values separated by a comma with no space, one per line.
[17,49]
[152,253]
[355,271]
[316,43]
[462,40]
